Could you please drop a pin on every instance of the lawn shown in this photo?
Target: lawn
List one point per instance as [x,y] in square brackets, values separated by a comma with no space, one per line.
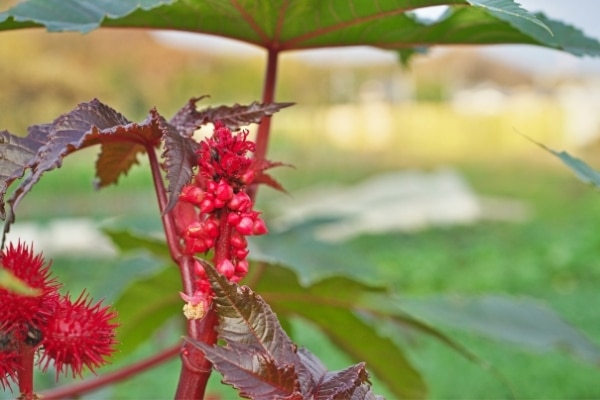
[552,256]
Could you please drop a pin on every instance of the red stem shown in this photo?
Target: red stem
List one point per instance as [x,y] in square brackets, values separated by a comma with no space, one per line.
[195,368]
[112,377]
[161,195]
[262,136]
[25,372]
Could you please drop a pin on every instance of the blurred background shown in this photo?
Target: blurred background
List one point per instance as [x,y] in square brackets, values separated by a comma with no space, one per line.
[488,210]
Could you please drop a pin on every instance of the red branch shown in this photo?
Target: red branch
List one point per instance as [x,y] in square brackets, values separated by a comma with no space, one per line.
[112,377]
[161,194]
[262,136]
[25,372]
[195,368]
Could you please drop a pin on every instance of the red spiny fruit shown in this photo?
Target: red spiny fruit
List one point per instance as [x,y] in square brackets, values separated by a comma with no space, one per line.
[20,314]
[80,334]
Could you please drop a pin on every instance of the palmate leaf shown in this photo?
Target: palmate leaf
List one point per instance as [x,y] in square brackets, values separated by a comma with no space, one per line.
[260,360]
[15,154]
[520,321]
[348,311]
[88,124]
[189,118]
[291,25]
[236,116]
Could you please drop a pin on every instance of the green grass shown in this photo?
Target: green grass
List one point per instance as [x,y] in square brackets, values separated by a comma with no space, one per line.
[553,256]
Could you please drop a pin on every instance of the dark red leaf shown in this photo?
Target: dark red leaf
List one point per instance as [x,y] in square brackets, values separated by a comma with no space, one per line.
[253,374]
[343,384]
[16,154]
[311,371]
[88,124]
[122,144]
[246,318]
[180,159]
[188,119]
[260,360]
[262,178]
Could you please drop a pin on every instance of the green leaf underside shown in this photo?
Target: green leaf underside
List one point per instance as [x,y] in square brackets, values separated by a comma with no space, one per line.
[260,360]
[521,321]
[283,25]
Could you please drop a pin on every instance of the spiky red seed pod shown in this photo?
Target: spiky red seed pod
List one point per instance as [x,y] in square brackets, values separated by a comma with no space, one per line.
[9,363]
[80,334]
[17,311]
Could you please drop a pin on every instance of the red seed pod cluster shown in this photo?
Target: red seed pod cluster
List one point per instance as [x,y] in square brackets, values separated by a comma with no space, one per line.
[72,335]
[223,213]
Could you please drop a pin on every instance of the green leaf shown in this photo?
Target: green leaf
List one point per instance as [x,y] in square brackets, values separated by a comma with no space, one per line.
[13,284]
[281,25]
[511,12]
[583,171]
[332,305]
[77,15]
[521,321]
[127,241]
[311,259]
[146,305]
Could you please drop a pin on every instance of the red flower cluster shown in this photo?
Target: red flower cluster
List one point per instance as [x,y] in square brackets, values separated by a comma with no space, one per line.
[72,335]
[215,212]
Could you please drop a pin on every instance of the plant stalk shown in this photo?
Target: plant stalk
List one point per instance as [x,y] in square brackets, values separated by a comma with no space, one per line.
[25,372]
[264,129]
[161,195]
